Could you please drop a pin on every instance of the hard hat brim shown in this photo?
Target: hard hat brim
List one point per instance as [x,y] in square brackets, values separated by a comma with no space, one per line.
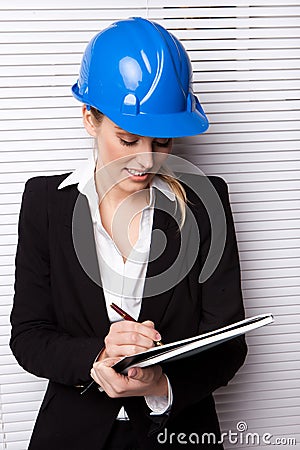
[165,125]
[173,125]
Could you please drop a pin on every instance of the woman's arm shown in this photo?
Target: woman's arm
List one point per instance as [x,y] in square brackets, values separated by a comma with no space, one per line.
[221,304]
[36,341]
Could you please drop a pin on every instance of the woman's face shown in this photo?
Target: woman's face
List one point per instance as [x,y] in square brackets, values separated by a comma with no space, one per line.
[130,161]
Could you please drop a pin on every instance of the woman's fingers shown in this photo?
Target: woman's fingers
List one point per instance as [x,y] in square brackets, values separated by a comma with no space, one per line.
[145,328]
[127,337]
[146,375]
[114,351]
[138,382]
[113,383]
[99,369]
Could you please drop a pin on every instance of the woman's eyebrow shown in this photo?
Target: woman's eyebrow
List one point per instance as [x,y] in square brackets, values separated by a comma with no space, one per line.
[120,130]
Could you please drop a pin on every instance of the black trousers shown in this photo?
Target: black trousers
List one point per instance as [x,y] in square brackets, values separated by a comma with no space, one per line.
[122,437]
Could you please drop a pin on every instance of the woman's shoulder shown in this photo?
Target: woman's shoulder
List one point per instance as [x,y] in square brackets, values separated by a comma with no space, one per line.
[45,182]
[199,183]
[218,182]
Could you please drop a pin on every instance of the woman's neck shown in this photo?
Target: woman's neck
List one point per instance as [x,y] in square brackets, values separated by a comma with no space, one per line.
[113,196]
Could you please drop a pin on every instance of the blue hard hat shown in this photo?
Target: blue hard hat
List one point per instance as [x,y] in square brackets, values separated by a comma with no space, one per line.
[140,76]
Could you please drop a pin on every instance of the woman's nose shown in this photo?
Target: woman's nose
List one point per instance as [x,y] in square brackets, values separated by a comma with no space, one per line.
[145,158]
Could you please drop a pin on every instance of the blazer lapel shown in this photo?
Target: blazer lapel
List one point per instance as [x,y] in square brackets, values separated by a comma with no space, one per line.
[79,231]
[165,245]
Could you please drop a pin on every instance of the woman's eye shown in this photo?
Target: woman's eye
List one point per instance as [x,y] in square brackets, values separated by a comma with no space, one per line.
[127,143]
[160,143]
[163,143]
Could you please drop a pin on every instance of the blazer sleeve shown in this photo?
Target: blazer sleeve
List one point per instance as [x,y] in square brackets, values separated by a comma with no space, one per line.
[194,378]
[36,341]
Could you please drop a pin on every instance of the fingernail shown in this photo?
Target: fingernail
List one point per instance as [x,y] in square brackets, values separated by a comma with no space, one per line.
[149,322]
[157,337]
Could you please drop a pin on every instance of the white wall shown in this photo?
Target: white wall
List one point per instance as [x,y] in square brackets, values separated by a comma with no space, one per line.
[245,57]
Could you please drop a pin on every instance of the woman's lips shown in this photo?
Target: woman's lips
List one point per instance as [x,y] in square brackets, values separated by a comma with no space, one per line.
[133,174]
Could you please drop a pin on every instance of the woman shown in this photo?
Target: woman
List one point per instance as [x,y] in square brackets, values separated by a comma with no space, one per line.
[89,238]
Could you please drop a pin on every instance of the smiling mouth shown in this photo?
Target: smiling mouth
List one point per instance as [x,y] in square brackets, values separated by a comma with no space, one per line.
[136,172]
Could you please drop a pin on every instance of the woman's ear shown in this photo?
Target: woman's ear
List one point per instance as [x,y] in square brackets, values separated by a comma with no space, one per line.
[88,122]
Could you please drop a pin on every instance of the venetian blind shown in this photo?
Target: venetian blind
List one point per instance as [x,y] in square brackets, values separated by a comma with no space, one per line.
[245,56]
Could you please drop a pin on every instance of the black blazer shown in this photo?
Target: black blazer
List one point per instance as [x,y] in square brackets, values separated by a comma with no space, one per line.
[59,319]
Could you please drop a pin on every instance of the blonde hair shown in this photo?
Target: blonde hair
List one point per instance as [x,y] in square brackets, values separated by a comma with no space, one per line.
[165,174]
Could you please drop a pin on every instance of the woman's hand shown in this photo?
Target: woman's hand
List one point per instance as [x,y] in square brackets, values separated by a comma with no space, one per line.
[127,338]
[138,382]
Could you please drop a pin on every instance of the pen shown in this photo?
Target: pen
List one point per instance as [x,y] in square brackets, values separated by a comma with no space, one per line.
[126,316]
